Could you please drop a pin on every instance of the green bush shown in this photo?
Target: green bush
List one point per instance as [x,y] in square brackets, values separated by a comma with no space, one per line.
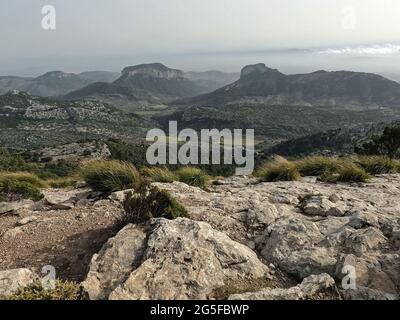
[14,186]
[347,172]
[64,290]
[157,174]
[109,176]
[148,203]
[316,166]
[193,176]
[133,153]
[60,168]
[378,164]
[279,169]
[13,162]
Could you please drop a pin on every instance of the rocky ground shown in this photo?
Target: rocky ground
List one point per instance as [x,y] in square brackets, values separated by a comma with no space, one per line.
[242,240]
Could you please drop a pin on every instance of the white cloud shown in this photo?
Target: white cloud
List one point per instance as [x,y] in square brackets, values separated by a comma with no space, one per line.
[364,50]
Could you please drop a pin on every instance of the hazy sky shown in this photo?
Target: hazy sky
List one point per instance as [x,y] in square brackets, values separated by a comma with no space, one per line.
[201,34]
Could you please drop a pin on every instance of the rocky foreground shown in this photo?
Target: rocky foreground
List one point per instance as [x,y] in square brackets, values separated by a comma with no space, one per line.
[242,240]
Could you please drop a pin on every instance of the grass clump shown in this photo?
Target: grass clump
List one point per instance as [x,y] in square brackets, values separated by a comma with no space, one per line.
[157,174]
[193,176]
[148,203]
[317,165]
[20,185]
[63,290]
[109,176]
[59,183]
[378,164]
[346,172]
[279,169]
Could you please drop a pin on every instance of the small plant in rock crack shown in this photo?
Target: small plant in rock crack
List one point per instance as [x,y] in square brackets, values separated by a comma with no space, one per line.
[150,202]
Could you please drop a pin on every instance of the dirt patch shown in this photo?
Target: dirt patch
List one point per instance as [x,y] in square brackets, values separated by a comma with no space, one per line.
[65,239]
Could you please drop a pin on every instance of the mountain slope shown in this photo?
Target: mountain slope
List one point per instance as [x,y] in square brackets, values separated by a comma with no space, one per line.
[28,122]
[53,83]
[337,141]
[212,80]
[259,84]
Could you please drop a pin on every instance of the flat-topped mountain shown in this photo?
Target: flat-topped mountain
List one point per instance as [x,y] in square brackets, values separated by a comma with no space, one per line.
[54,83]
[259,84]
[141,85]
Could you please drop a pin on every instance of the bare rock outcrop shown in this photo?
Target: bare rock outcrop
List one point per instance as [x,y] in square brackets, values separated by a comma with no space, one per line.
[163,259]
[12,280]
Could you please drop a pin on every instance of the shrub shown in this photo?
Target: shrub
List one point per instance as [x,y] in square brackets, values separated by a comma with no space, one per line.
[14,186]
[347,172]
[387,144]
[13,162]
[148,203]
[60,168]
[193,176]
[378,164]
[133,153]
[64,290]
[156,174]
[316,166]
[109,176]
[279,169]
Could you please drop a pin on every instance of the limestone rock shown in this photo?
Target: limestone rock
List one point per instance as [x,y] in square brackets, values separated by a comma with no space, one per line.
[179,259]
[12,280]
[6,207]
[12,233]
[321,206]
[306,290]
[26,220]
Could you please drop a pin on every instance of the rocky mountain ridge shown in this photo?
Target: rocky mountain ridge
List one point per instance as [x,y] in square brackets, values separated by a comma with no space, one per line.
[263,85]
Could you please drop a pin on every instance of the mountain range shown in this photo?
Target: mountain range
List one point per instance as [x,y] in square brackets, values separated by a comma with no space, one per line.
[54,83]
[259,84]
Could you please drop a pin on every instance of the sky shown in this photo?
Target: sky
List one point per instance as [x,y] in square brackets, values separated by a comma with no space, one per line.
[292,35]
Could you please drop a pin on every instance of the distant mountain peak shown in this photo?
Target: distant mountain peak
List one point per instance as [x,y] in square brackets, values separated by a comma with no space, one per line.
[56,75]
[259,84]
[153,70]
[257,70]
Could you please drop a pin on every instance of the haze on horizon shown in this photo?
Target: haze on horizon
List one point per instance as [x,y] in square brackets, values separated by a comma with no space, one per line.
[294,36]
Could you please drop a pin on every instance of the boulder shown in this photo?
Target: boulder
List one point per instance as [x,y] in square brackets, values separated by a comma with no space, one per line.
[12,280]
[364,293]
[12,233]
[321,206]
[26,220]
[6,207]
[64,199]
[306,290]
[164,259]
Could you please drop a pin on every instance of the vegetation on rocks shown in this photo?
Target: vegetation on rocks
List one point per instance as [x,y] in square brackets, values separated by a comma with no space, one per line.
[63,290]
[346,172]
[193,176]
[317,165]
[378,164]
[109,176]
[18,185]
[159,174]
[148,203]
[279,169]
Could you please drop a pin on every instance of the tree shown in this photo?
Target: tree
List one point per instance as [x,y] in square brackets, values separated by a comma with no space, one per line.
[387,144]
